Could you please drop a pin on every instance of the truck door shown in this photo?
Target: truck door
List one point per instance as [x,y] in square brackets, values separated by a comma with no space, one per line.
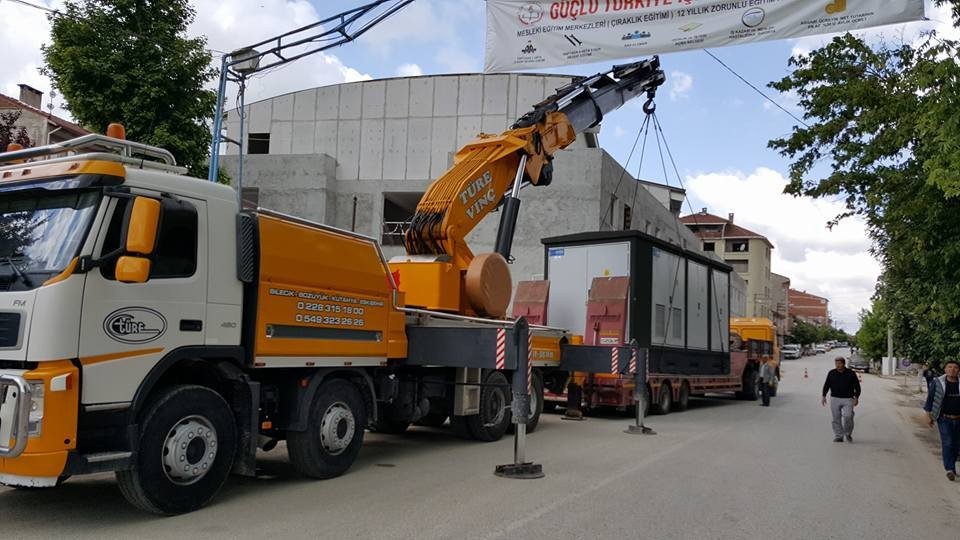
[127,328]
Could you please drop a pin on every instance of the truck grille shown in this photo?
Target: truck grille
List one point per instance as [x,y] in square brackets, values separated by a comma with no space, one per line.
[9,330]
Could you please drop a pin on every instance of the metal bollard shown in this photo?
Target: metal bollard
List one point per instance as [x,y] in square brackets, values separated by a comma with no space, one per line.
[520,407]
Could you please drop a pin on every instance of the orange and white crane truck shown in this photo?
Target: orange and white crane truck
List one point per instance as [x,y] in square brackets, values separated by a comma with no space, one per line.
[152,326]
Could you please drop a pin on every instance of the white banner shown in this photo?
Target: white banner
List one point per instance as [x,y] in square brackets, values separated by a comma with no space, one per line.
[524,34]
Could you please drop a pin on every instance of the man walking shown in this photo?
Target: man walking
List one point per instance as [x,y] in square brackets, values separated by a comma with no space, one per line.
[943,408]
[844,388]
[766,381]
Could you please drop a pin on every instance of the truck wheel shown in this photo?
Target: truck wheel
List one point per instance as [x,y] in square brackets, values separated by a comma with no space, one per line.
[494,417]
[188,439]
[750,386]
[665,401]
[334,432]
[536,401]
[683,402]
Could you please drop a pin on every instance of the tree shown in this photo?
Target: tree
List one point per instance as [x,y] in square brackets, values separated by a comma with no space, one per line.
[872,336]
[885,120]
[804,333]
[130,61]
[11,133]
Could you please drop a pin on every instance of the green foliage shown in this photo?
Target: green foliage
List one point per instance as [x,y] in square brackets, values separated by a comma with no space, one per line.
[884,135]
[130,61]
[872,336]
[11,133]
[804,333]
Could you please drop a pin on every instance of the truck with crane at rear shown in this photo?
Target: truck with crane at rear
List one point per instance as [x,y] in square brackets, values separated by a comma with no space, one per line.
[152,326]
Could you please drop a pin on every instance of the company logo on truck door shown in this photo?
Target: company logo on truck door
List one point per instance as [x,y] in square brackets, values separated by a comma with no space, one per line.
[477,187]
[135,325]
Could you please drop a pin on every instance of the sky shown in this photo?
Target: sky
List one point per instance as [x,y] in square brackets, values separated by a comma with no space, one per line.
[717,128]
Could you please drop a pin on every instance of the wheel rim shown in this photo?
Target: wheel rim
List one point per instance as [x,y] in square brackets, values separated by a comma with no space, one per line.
[495,408]
[189,450]
[337,428]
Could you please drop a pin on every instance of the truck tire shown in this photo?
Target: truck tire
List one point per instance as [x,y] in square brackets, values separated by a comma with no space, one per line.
[334,434]
[665,399]
[494,417]
[189,426]
[683,401]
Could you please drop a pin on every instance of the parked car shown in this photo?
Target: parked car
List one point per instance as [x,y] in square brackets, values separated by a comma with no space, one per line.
[858,363]
[820,349]
[791,352]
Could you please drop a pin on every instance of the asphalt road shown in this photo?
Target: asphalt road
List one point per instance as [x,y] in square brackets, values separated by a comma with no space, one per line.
[723,469]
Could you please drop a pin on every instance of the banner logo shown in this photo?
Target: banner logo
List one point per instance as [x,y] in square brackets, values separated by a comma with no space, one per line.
[530,14]
[837,6]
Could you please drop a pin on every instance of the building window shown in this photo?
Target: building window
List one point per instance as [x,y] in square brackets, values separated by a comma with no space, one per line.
[676,206]
[738,246]
[741,267]
[627,217]
[398,210]
[258,143]
[709,246]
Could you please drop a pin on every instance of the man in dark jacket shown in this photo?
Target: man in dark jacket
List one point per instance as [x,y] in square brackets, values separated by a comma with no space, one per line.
[844,388]
[943,408]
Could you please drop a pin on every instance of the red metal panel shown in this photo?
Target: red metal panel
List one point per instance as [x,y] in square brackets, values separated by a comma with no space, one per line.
[607,311]
[530,301]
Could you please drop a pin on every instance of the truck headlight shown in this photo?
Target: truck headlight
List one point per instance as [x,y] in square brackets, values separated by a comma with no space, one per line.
[36,408]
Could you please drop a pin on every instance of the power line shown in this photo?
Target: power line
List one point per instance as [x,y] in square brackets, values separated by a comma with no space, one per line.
[34,6]
[755,89]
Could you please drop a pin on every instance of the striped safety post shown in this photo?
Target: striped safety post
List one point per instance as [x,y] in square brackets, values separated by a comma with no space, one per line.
[615,360]
[501,348]
[633,360]
[529,363]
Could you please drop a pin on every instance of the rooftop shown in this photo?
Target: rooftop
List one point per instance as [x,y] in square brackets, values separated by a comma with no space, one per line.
[728,230]
[7,102]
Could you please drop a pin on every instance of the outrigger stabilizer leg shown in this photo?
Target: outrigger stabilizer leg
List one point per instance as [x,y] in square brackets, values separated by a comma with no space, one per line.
[638,363]
[521,468]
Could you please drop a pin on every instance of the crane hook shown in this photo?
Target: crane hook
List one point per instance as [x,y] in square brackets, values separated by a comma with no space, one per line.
[649,107]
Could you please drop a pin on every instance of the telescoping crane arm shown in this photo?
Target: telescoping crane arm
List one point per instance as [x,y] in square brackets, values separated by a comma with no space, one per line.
[489,171]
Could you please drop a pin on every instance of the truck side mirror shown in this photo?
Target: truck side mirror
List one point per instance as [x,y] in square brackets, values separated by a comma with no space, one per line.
[142,226]
[132,269]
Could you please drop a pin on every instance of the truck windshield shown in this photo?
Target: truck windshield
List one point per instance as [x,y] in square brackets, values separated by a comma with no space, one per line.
[40,233]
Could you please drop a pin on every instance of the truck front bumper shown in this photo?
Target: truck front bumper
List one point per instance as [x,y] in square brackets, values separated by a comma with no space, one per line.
[33,452]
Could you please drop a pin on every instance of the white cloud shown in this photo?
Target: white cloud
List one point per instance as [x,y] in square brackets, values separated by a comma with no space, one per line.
[409,70]
[23,30]
[834,263]
[680,86]
[231,24]
[433,22]
[227,24]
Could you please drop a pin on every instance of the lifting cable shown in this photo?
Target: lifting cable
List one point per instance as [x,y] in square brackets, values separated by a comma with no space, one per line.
[651,119]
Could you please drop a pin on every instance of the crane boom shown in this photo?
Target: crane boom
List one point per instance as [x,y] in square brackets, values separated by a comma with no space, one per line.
[483,171]
[487,174]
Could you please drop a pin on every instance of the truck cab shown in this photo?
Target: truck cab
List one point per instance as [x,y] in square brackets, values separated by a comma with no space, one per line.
[106,271]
